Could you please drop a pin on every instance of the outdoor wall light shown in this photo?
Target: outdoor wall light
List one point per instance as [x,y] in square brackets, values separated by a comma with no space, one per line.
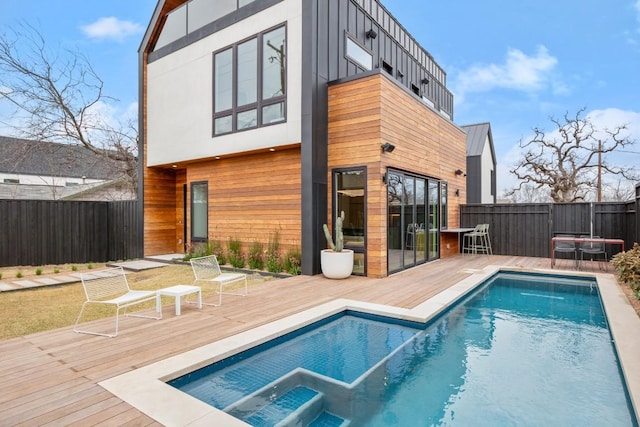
[457,192]
[425,81]
[387,148]
[460,172]
[371,34]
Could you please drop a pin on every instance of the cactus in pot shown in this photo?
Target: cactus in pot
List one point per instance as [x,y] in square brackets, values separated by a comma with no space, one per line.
[338,246]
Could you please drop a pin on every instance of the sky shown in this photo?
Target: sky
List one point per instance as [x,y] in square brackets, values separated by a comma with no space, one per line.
[513,64]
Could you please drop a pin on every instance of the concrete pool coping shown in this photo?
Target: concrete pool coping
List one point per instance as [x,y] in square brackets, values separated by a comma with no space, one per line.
[146,389]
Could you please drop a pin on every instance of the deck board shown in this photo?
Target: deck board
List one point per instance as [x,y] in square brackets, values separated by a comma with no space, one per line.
[51,377]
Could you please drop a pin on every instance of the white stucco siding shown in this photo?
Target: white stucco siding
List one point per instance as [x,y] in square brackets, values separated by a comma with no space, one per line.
[487,168]
[179,94]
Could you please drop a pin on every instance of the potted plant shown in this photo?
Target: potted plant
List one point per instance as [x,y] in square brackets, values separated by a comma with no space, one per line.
[337,262]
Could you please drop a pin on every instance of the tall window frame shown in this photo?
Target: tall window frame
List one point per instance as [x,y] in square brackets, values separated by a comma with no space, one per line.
[350,195]
[258,84]
[199,207]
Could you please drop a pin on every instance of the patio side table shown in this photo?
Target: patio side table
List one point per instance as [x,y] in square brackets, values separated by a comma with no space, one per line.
[178,291]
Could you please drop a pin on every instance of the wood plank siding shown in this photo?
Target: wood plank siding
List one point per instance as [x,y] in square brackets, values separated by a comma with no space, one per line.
[250,198]
[367,112]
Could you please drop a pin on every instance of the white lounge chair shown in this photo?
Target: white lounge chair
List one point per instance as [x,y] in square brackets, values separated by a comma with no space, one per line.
[206,269]
[110,286]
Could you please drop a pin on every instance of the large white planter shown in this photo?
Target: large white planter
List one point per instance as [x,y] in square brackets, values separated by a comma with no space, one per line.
[336,265]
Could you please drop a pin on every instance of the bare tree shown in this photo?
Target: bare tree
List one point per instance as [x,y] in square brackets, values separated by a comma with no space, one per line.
[570,162]
[58,97]
[527,193]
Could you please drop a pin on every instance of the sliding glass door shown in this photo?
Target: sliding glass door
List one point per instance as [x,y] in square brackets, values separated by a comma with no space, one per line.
[412,222]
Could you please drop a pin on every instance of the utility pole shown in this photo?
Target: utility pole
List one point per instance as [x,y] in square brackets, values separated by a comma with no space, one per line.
[599,184]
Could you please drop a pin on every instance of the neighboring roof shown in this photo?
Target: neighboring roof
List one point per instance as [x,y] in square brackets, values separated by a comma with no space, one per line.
[51,159]
[477,135]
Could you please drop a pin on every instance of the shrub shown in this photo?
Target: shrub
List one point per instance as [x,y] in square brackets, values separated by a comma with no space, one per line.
[274,264]
[212,247]
[0,274]
[38,271]
[19,274]
[255,258]
[89,266]
[56,270]
[74,268]
[292,262]
[236,257]
[627,264]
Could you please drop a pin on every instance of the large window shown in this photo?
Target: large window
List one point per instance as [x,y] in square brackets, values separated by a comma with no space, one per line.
[350,195]
[199,211]
[249,83]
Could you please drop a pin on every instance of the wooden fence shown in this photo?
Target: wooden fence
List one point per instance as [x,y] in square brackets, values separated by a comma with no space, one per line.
[527,229]
[41,232]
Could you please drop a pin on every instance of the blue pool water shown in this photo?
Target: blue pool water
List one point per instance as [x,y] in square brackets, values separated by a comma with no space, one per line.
[522,350]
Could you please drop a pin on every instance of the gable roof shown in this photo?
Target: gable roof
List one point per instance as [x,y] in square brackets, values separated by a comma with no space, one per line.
[477,135]
[29,157]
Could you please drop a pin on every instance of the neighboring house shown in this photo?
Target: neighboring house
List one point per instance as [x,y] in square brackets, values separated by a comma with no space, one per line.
[481,164]
[49,171]
[262,120]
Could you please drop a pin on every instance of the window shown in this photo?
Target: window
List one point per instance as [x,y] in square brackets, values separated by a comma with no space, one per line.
[11,181]
[194,15]
[358,54]
[444,205]
[387,67]
[199,211]
[415,89]
[350,198]
[249,83]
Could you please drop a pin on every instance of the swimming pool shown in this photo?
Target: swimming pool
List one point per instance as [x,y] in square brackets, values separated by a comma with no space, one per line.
[146,388]
[521,350]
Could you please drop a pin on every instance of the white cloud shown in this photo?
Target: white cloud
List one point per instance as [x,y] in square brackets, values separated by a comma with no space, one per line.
[519,72]
[111,28]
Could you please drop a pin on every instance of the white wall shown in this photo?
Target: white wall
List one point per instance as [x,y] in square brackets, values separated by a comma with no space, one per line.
[26,179]
[179,94]
[487,168]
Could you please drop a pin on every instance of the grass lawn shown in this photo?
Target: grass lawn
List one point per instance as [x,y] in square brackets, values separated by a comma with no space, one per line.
[40,309]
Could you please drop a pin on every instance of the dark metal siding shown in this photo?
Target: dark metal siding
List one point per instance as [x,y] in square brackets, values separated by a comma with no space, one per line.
[40,232]
[474,179]
[527,229]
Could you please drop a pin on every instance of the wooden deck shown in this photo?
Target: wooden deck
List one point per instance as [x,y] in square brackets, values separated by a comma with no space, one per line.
[51,377]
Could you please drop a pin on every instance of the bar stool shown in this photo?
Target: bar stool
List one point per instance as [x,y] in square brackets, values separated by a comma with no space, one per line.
[477,240]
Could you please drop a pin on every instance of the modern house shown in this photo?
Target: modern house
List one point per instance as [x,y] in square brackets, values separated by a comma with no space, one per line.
[38,170]
[264,119]
[481,164]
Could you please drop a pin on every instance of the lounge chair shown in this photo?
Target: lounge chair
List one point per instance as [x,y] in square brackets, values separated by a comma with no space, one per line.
[206,269]
[110,287]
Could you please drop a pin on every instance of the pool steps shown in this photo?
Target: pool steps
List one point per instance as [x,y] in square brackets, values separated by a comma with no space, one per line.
[335,397]
[291,400]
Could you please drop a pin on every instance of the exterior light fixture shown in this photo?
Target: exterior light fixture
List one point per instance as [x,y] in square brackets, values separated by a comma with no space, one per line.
[387,148]
[425,81]
[371,34]
[457,192]
[460,172]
